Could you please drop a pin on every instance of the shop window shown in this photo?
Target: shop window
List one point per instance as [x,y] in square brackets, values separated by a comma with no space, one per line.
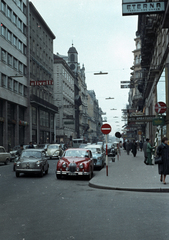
[3,55]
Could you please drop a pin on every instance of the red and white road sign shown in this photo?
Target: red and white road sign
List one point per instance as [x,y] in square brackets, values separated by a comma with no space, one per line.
[106,128]
[160,107]
[41,82]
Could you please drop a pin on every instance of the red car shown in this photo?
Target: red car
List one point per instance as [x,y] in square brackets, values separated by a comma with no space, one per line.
[75,162]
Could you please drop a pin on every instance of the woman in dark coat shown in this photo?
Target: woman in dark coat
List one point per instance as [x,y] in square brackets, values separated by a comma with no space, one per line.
[134,148]
[163,151]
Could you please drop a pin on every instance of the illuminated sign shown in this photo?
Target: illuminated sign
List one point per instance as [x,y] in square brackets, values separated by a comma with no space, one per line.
[137,8]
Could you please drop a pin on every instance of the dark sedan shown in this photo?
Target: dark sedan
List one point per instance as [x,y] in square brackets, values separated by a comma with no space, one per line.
[32,161]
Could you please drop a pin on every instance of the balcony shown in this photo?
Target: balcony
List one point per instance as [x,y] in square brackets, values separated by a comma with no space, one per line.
[41,102]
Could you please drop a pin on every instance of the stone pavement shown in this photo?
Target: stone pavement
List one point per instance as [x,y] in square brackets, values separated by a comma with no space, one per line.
[129,174]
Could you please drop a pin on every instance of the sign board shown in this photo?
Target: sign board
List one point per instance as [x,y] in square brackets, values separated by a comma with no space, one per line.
[41,83]
[132,1]
[106,128]
[145,118]
[160,121]
[125,81]
[160,107]
[142,8]
[69,122]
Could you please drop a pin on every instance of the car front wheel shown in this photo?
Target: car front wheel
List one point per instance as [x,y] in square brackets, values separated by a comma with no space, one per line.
[7,161]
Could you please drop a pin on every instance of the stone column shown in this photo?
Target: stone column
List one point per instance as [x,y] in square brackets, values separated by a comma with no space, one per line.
[167,96]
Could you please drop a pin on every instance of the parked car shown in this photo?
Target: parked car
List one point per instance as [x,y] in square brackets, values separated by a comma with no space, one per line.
[4,156]
[42,146]
[98,154]
[13,152]
[75,162]
[54,151]
[32,161]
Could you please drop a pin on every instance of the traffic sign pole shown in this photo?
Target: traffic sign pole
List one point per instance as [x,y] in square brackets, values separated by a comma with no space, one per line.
[106,158]
[106,129]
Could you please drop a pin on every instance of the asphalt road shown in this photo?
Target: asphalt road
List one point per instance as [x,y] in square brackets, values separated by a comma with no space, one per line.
[33,208]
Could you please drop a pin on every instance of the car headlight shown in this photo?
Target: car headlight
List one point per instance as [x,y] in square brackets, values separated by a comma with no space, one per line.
[64,165]
[56,153]
[17,164]
[38,163]
[81,165]
[99,158]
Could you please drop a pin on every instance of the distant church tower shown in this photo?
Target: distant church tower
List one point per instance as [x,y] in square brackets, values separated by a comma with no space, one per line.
[73,58]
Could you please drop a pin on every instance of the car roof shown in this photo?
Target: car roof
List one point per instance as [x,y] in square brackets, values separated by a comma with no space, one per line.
[93,146]
[33,149]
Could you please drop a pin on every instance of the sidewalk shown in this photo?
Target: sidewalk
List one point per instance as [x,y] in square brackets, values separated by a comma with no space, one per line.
[129,174]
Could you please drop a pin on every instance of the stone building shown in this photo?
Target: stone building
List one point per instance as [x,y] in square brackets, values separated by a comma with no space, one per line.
[14,90]
[64,80]
[42,108]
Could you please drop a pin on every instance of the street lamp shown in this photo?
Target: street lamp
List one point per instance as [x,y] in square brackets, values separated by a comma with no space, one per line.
[109,98]
[100,73]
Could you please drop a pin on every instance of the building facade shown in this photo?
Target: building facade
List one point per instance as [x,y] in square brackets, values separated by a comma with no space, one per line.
[14,89]
[64,80]
[42,107]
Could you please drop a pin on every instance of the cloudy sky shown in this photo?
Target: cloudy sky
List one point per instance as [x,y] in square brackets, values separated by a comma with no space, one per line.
[104,40]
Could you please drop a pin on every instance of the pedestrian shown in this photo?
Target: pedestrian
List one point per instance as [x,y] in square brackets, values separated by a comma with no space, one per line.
[149,153]
[134,148]
[124,145]
[145,150]
[31,145]
[128,148]
[141,145]
[163,151]
[19,152]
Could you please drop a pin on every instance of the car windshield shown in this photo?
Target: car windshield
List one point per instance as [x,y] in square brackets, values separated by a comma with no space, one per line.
[31,154]
[53,147]
[75,153]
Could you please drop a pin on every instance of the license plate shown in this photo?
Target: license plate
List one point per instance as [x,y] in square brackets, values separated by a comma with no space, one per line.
[71,173]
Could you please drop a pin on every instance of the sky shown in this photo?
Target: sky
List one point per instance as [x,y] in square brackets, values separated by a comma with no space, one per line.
[104,40]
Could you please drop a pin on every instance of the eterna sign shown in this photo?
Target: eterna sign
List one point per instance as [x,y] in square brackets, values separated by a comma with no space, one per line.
[142,8]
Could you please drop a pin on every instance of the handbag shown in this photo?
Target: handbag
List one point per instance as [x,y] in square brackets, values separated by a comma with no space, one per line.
[158,160]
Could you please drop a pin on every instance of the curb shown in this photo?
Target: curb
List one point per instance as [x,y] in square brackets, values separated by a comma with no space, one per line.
[151,190]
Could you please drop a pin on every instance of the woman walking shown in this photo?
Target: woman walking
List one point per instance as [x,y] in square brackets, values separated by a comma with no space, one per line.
[163,151]
[149,153]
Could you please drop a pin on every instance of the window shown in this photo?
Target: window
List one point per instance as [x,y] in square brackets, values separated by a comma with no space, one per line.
[10,83]
[34,115]
[24,29]
[72,58]
[24,8]
[3,6]
[24,70]
[20,88]
[3,30]
[9,13]
[52,121]
[3,55]
[24,49]
[15,63]
[14,18]
[20,45]
[25,91]
[15,86]
[14,40]
[19,24]
[9,59]
[3,78]
[9,36]
[18,3]
[21,113]
[20,67]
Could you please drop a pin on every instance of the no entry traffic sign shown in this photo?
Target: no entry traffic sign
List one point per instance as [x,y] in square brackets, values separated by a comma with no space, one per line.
[160,107]
[106,128]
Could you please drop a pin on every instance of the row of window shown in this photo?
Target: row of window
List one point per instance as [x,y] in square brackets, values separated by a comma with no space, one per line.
[68,91]
[13,17]
[13,85]
[46,119]
[67,77]
[13,62]
[47,96]
[39,72]
[8,35]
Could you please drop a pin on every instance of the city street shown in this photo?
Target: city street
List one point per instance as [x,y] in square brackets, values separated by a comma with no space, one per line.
[50,209]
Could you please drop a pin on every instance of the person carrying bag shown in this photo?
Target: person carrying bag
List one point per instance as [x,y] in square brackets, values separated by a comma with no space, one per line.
[163,152]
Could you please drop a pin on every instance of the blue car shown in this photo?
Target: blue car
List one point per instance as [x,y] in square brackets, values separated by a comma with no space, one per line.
[98,155]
